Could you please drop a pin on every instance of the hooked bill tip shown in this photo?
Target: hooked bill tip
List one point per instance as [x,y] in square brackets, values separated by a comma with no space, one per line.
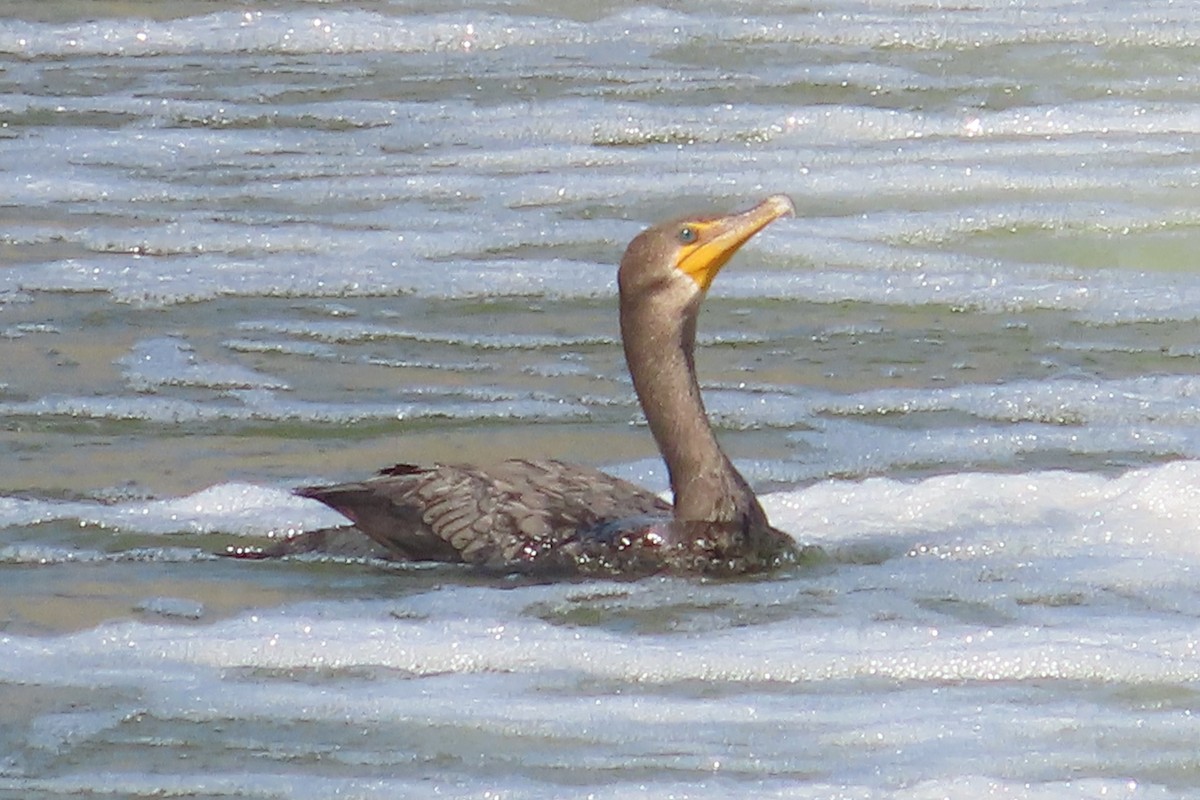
[781,205]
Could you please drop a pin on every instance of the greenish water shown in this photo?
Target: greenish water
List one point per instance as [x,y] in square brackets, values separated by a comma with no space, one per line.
[247,247]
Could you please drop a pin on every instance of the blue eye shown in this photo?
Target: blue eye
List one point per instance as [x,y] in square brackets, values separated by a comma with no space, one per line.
[687,234]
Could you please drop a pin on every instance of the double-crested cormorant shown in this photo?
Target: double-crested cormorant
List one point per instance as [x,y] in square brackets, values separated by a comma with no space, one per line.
[547,517]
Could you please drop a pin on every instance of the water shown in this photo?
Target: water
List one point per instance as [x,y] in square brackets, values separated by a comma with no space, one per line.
[250,246]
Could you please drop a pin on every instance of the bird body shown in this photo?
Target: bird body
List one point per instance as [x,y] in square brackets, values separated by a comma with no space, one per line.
[545,518]
[514,514]
[550,518]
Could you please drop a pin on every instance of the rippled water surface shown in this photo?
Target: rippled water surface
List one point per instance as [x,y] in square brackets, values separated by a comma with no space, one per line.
[245,246]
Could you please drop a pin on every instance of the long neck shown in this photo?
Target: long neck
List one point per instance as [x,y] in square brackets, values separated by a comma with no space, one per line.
[659,351]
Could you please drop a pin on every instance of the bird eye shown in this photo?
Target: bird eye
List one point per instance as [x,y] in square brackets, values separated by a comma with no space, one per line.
[687,234]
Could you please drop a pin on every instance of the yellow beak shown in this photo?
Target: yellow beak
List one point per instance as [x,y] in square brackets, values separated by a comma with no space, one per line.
[716,240]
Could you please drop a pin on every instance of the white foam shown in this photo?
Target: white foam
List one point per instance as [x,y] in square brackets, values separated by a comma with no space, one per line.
[341,332]
[234,508]
[261,405]
[470,634]
[334,30]
[1144,511]
[979,592]
[883,224]
[1144,399]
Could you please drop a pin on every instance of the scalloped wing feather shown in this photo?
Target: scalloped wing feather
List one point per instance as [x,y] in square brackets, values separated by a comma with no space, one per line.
[506,517]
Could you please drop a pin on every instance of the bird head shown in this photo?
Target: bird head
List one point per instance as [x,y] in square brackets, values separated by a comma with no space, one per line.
[683,256]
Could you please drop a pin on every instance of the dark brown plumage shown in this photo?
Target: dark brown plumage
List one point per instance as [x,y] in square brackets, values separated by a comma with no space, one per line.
[547,517]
